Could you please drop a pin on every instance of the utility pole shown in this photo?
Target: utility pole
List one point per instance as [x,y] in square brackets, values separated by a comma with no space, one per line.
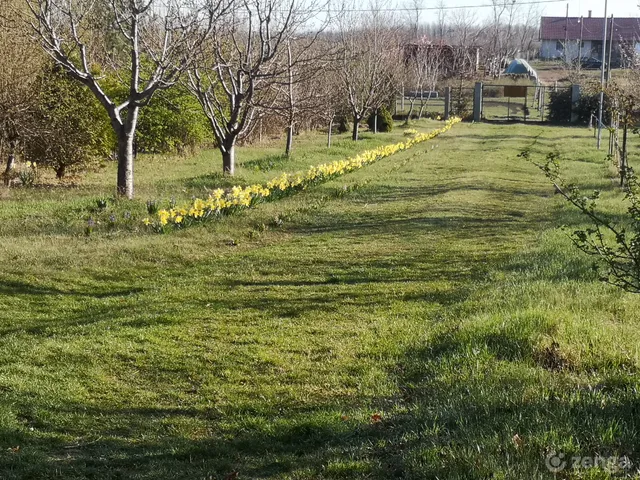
[580,44]
[604,49]
[610,50]
[566,36]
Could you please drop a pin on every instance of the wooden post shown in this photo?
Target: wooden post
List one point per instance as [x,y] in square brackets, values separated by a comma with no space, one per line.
[477,102]
[623,159]
[575,98]
[447,102]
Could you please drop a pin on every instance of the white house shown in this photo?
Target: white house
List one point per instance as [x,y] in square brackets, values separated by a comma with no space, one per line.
[572,37]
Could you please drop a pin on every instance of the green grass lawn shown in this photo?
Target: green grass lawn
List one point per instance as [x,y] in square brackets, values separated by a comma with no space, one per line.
[404,321]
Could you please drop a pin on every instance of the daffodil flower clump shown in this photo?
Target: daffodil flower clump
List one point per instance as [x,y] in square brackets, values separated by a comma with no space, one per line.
[410,132]
[225,202]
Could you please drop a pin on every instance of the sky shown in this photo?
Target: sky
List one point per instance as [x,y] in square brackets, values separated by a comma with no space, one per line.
[619,8]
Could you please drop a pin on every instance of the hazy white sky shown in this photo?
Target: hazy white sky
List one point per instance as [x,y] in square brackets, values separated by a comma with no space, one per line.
[619,8]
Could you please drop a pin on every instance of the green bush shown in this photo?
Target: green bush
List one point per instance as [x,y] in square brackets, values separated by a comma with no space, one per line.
[172,122]
[589,104]
[462,102]
[560,106]
[342,124]
[69,129]
[385,120]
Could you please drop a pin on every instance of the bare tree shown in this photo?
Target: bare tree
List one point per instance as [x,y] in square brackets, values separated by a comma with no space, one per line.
[442,19]
[237,69]
[414,10]
[329,97]
[306,58]
[147,45]
[424,68]
[370,53]
[464,28]
[18,78]
[528,30]
[502,42]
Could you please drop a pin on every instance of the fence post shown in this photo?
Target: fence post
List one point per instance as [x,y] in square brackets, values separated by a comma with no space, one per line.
[447,102]
[477,102]
[575,98]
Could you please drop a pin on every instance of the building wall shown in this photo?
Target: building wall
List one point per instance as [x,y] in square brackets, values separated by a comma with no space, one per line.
[548,50]
[554,49]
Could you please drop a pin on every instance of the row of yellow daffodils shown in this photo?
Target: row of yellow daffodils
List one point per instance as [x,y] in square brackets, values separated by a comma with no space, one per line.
[221,202]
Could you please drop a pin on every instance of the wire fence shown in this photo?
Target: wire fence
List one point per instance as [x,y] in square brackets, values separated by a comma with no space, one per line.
[522,103]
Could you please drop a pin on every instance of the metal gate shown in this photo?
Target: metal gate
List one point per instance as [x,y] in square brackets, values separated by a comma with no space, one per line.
[518,103]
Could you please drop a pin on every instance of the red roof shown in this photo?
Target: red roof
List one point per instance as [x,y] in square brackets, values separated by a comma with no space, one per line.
[556,28]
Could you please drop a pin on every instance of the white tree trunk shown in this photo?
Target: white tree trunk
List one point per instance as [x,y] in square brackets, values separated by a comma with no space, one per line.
[11,164]
[126,137]
[125,164]
[229,159]
[289,140]
[329,133]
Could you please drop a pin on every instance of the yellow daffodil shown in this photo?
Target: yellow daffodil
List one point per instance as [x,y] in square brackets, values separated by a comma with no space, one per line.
[220,201]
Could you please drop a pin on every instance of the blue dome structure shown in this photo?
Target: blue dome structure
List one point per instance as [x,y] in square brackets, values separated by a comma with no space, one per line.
[520,66]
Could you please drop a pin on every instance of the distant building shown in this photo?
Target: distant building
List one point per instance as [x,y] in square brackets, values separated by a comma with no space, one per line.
[573,37]
[449,60]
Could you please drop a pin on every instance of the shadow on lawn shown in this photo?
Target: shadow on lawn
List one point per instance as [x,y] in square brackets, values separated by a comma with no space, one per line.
[462,397]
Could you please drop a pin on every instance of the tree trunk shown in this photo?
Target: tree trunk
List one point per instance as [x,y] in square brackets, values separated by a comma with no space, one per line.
[60,171]
[11,164]
[623,162]
[375,121]
[329,133]
[229,159]
[126,137]
[125,164]
[422,107]
[289,146]
[356,125]
[406,122]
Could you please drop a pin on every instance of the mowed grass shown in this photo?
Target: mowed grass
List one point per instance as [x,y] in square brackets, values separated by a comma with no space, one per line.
[404,321]
[61,209]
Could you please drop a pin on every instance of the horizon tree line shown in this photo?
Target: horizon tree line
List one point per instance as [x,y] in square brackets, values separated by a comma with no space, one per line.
[244,61]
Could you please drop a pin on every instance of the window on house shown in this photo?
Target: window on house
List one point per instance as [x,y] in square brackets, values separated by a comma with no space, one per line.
[559,46]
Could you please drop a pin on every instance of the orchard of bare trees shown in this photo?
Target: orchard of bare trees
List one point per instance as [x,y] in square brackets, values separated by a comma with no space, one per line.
[95,80]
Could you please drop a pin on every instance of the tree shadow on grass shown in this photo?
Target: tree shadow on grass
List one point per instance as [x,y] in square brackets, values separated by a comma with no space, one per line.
[463,396]
[211,181]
